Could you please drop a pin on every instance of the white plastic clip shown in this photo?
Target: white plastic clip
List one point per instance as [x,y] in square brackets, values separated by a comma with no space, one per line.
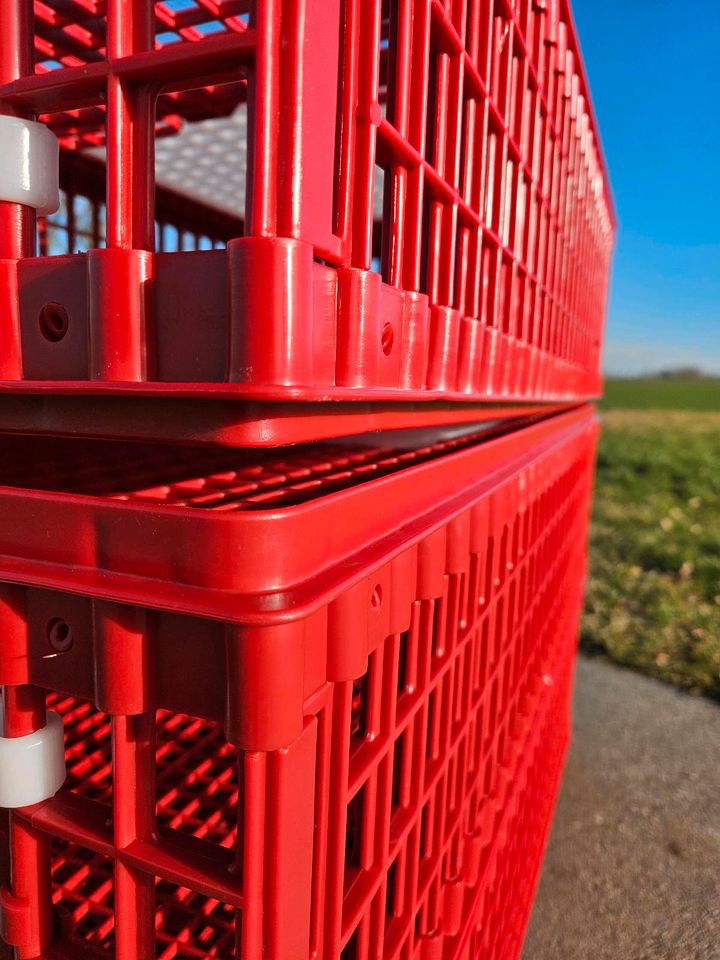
[29,164]
[32,768]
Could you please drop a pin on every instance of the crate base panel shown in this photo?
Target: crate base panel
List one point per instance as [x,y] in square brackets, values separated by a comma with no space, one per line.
[300,335]
[175,417]
[288,396]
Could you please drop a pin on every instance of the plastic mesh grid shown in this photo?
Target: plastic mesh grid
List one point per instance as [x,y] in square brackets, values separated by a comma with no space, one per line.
[83,892]
[87,747]
[69,33]
[212,480]
[189,926]
[197,794]
[207,160]
[196,768]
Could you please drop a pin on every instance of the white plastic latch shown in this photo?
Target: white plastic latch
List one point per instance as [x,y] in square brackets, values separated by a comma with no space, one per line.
[29,164]
[32,768]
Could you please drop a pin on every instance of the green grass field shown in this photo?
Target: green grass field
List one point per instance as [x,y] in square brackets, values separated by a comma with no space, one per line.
[661,395]
[653,599]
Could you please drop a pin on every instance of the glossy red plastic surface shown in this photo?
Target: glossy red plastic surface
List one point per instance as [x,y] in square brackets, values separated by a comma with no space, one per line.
[223,422]
[480,272]
[361,766]
[239,535]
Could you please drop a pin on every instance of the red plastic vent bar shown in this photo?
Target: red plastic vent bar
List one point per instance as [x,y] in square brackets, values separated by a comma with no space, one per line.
[380,676]
[434,223]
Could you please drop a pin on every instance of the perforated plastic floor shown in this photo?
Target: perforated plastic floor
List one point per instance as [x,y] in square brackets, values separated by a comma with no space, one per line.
[224,479]
[197,794]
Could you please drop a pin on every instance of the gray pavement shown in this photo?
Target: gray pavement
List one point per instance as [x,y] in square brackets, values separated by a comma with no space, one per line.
[633,867]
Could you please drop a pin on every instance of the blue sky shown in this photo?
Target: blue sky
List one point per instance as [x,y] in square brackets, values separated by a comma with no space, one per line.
[654,70]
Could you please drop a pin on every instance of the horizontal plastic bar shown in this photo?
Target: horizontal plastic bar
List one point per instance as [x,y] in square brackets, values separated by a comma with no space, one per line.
[73,87]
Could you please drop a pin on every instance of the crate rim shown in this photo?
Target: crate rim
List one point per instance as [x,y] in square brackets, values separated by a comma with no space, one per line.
[587,93]
[329,394]
[287,601]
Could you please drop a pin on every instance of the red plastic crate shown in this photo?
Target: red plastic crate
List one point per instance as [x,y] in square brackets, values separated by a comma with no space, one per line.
[317,714]
[422,193]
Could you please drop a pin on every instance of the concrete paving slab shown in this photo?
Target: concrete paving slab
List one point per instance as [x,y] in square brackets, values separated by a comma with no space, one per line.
[633,866]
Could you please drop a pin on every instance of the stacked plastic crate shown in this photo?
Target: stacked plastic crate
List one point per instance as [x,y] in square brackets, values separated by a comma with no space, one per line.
[292,680]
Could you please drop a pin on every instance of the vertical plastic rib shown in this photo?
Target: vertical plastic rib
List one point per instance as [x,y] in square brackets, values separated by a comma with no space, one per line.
[120,276]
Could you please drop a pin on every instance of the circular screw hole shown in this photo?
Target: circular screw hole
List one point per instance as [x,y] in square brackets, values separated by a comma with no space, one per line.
[59,634]
[376,598]
[388,338]
[54,321]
